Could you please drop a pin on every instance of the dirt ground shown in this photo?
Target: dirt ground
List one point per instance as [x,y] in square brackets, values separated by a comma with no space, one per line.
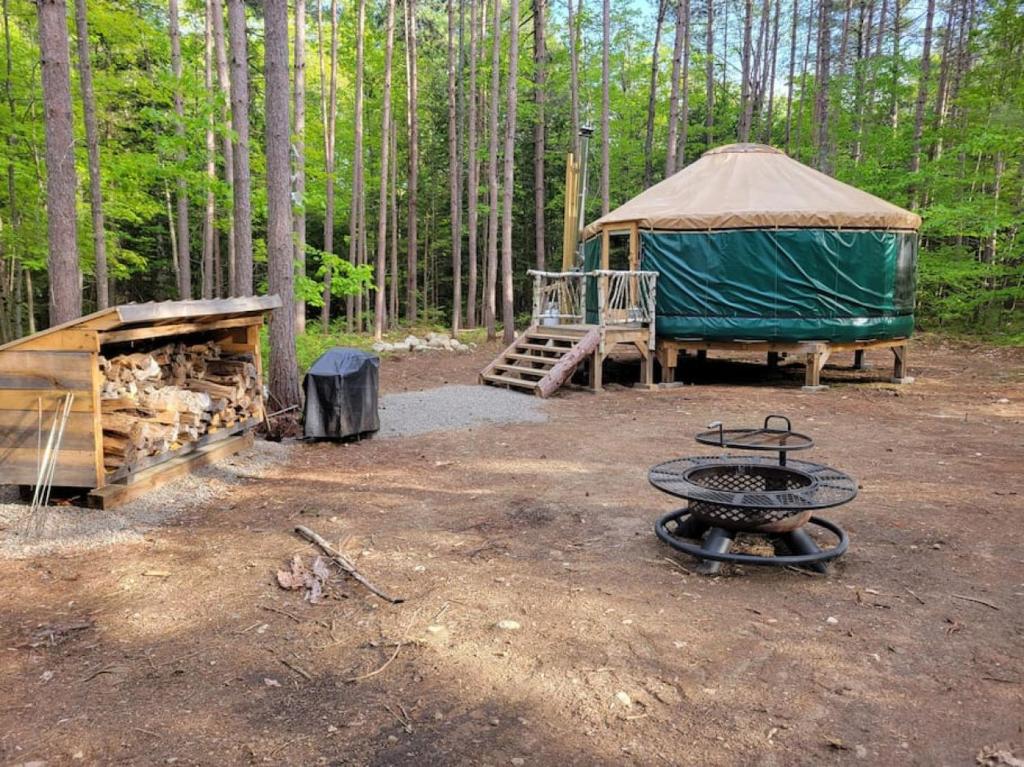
[179,647]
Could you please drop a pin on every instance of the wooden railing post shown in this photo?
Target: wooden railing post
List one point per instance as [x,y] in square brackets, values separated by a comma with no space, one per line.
[537,278]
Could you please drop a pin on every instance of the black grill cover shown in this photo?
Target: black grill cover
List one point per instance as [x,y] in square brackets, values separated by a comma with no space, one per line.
[341,394]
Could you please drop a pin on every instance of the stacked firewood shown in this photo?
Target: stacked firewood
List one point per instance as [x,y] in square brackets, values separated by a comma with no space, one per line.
[161,400]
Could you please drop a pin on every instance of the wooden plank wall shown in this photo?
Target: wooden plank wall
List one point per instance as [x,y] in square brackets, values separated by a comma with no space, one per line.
[35,381]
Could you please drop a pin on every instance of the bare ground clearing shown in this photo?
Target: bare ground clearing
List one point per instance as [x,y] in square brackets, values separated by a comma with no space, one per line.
[176,645]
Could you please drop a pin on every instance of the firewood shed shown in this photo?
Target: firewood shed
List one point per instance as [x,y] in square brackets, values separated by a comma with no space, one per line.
[156,390]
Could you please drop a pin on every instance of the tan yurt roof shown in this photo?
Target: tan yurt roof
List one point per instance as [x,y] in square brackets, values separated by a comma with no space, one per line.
[741,186]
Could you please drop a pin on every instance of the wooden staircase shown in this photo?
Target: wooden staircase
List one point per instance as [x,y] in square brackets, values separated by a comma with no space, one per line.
[542,359]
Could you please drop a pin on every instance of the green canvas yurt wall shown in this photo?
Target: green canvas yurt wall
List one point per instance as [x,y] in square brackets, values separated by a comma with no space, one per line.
[750,244]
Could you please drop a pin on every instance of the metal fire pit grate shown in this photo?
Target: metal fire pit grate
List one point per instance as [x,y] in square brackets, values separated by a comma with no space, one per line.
[754,483]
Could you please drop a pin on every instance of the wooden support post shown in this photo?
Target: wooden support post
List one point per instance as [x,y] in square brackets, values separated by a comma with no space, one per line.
[858,359]
[646,366]
[773,360]
[899,368]
[668,356]
[596,360]
[815,362]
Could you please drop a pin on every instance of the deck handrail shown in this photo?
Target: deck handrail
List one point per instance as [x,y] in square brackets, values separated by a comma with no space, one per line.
[623,297]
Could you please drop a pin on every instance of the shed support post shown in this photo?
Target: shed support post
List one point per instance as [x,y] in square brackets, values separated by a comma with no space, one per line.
[858,359]
[899,368]
[668,356]
[815,362]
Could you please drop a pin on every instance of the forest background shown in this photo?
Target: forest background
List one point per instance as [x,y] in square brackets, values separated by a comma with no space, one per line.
[441,155]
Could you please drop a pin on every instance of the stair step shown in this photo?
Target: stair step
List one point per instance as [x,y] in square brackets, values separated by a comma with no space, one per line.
[539,372]
[541,348]
[553,336]
[510,381]
[533,358]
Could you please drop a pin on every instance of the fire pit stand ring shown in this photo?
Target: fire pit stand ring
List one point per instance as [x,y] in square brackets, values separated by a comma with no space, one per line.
[714,548]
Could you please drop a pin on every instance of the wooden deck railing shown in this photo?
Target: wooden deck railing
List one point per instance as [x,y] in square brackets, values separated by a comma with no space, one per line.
[623,298]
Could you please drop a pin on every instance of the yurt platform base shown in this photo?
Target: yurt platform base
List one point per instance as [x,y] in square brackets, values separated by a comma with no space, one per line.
[815,354]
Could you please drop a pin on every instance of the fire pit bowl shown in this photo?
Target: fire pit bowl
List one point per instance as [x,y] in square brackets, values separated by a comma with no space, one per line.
[753,494]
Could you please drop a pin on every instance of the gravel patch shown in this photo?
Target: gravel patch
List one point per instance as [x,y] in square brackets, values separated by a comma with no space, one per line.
[455,407]
[73,528]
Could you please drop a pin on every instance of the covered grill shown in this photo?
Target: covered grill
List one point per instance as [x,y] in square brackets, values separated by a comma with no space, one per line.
[341,395]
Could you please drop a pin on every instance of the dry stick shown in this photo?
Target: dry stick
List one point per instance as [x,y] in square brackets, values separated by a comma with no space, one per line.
[341,561]
[915,596]
[297,669]
[295,618]
[977,601]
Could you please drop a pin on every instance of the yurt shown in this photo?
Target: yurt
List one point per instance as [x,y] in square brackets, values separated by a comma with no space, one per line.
[750,244]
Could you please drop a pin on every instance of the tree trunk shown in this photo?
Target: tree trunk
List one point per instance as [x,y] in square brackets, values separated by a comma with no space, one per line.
[61,182]
[803,77]
[380,307]
[894,102]
[455,178]
[770,117]
[412,125]
[473,191]
[673,104]
[606,41]
[92,142]
[393,222]
[491,277]
[242,188]
[299,201]
[184,254]
[709,99]
[539,73]
[684,87]
[224,82]
[844,40]
[574,79]
[211,161]
[746,75]
[329,108]
[824,158]
[652,95]
[922,95]
[792,67]
[942,91]
[863,51]
[284,373]
[508,317]
[362,254]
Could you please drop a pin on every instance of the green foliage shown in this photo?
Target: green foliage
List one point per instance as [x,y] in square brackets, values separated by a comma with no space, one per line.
[969,189]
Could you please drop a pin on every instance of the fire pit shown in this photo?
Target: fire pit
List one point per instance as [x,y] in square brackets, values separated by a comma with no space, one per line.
[764,495]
